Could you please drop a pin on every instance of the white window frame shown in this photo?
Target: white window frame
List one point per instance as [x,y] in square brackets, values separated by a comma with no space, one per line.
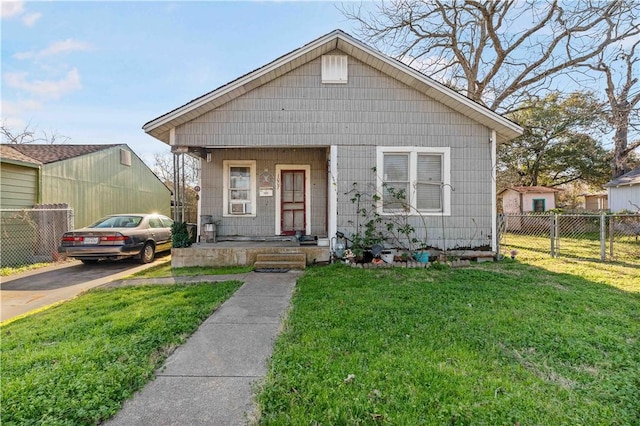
[413,159]
[227,164]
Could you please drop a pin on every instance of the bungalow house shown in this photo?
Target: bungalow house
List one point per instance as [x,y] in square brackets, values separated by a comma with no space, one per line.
[284,147]
[624,191]
[528,199]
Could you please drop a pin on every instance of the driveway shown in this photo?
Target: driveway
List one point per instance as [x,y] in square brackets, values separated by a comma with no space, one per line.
[25,292]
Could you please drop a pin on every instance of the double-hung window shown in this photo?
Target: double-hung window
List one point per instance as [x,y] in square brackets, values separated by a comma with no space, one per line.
[239,188]
[414,180]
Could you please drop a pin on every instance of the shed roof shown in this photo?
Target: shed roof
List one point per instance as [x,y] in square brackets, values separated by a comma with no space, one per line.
[8,152]
[630,178]
[532,189]
[48,153]
[337,39]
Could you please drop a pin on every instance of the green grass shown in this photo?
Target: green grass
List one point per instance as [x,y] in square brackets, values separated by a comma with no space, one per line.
[77,362]
[625,248]
[164,270]
[500,344]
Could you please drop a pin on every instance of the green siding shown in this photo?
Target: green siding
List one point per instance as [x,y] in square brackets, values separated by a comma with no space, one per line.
[19,186]
[97,184]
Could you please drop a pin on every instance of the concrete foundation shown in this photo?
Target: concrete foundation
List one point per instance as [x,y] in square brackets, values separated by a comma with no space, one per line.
[241,253]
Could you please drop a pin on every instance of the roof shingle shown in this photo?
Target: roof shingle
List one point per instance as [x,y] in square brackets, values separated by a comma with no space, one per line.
[630,178]
[8,152]
[45,154]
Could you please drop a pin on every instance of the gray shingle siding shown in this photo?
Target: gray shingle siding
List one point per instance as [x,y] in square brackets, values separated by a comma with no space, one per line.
[297,110]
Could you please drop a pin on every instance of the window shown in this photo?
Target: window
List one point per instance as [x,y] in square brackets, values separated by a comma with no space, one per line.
[414,179]
[539,205]
[239,188]
[334,69]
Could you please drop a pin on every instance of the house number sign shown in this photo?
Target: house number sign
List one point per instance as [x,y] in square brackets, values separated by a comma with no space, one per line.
[265,184]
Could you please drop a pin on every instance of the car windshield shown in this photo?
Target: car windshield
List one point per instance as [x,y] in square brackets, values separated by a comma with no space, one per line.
[117,222]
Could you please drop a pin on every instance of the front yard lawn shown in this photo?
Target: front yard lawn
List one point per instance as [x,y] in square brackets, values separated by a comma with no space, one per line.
[165,270]
[77,362]
[501,344]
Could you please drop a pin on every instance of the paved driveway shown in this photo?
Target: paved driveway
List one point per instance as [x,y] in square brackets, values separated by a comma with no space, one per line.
[22,293]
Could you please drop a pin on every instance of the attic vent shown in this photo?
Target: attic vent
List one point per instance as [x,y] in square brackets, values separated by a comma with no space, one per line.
[125,157]
[334,69]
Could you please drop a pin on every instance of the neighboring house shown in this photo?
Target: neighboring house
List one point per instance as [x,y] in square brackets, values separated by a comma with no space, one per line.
[93,180]
[284,148]
[624,191]
[596,202]
[19,179]
[526,199]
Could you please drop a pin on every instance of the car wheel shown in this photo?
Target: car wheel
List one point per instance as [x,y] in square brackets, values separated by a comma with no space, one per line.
[148,253]
[89,261]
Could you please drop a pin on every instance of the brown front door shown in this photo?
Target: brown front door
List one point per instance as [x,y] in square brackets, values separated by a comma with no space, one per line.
[292,202]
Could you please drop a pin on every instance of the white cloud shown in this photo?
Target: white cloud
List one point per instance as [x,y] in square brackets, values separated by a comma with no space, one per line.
[9,9]
[13,113]
[30,19]
[56,48]
[52,89]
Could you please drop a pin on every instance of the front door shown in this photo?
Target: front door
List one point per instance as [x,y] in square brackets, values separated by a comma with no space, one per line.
[292,202]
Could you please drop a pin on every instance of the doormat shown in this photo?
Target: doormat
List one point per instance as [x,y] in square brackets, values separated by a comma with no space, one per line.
[272,270]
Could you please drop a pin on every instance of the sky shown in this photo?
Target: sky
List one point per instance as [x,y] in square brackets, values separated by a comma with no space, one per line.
[95,72]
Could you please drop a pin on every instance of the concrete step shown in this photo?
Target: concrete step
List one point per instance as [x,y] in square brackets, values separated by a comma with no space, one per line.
[275,257]
[281,261]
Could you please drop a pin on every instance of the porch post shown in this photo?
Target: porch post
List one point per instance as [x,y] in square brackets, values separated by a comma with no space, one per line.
[332,192]
[494,207]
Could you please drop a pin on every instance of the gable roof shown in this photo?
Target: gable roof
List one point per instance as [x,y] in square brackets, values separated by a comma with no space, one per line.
[532,189]
[48,153]
[159,127]
[8,152]
[630,178]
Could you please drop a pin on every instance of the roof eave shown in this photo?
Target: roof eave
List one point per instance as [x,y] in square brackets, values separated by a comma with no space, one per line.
[21,163]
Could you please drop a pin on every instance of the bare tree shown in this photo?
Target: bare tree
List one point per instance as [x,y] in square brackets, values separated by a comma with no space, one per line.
[621,71]
[30,134]
[163,168]
[501,52]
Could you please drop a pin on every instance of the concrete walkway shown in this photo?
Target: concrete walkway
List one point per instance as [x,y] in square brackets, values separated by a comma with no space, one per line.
[209,380]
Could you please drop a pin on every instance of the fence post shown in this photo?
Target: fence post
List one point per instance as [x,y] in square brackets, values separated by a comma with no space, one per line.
[552,233]
[611,235]
[603,236]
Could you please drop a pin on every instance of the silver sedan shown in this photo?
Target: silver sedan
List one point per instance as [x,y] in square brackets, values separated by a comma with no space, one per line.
[119,236]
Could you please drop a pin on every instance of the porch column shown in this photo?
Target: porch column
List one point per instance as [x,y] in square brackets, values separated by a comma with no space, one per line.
[332,192]
[494,207]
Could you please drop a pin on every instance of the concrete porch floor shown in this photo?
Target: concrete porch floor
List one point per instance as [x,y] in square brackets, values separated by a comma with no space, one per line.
[242,253]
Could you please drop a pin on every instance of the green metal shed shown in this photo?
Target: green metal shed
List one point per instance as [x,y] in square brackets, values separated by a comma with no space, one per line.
[94,180]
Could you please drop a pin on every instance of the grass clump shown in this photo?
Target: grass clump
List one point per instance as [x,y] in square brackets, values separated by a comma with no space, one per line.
[9,270]
[77,362]
[164,270]
[501,344]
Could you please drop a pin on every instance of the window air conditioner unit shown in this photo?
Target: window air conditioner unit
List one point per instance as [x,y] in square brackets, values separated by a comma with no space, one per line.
[238,208]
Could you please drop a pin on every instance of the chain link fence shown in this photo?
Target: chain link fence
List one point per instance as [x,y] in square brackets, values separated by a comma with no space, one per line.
[610,237]
[30,236]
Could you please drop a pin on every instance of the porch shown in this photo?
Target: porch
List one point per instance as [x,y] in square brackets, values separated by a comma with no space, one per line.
[247,253]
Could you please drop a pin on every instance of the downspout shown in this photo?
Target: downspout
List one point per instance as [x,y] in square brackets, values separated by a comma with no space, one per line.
[494,204]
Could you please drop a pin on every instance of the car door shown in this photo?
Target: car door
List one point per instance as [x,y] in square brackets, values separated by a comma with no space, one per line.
[160,234]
